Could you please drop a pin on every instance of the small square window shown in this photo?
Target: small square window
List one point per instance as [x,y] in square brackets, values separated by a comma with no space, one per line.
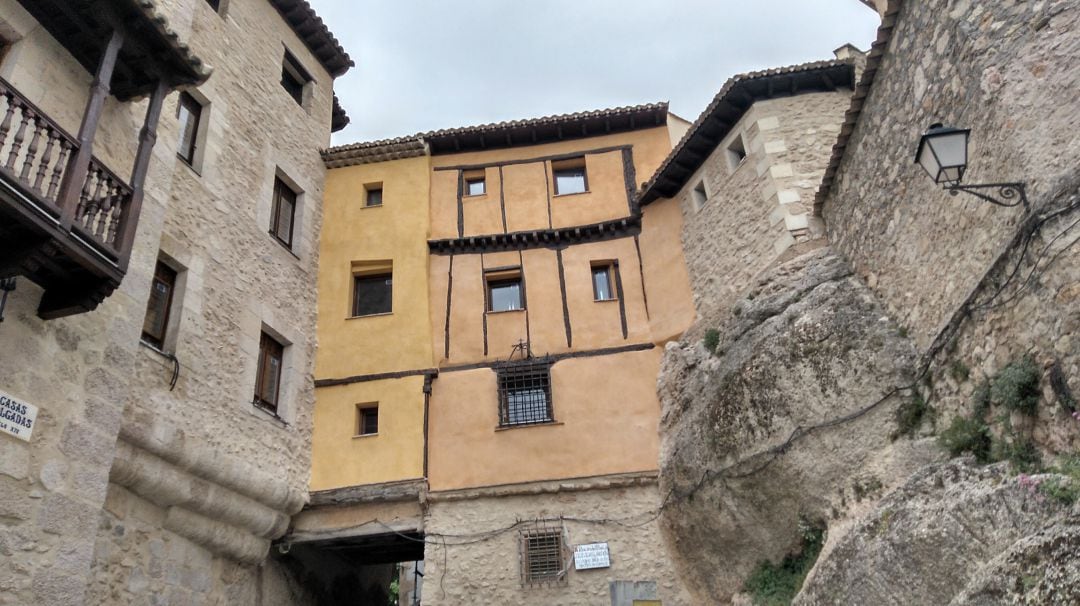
[504,291]
[158,306]
[373,291]
[268,373]
[603,280]
[475,184]
[524,394]
[699,196]
[373,194]
[283,213]
[294,78]
[214,4]
[189,114]
[736,152]
[543,561]
[570,176]
[367,419]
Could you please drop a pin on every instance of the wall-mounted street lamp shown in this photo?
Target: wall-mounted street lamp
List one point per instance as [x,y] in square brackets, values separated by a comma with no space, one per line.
[943,154]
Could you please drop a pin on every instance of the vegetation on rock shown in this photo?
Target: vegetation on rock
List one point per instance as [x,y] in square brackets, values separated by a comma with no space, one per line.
[776,584]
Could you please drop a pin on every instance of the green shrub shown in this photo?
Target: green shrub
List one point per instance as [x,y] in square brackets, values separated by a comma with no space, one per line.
[711,340]
[1064,490]
[1017,386]
[1019,451]
[910,415]
[967,435]
[980,400]
[776,584]
[959,371]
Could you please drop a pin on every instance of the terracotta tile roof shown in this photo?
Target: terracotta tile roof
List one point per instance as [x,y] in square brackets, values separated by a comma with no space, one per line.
[862,89]
[370,152]
[728,106]
[315,34]
[338,119]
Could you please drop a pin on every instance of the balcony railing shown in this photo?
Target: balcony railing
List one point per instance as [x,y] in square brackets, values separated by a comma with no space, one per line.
[35,152]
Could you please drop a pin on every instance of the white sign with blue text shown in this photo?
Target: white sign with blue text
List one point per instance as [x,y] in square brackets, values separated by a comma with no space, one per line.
[16,417]
[592,555]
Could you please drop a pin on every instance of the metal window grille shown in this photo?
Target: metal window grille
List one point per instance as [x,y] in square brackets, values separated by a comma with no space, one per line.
[543,560]
[525,394]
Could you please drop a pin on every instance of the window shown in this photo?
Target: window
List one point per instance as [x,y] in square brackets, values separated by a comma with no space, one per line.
[603,280]
[158,305]
[268,373]
[367,419]
[474,183]
[736,152]
[294,78]
[373,288]
[542,558]
[283,213]
[699,196]
[373,194]
[214,4]
[504,292]
[524,394]
[570,176]
[189,114]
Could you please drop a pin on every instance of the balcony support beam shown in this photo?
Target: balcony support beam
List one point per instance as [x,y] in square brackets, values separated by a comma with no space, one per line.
[147,139]
[79,163]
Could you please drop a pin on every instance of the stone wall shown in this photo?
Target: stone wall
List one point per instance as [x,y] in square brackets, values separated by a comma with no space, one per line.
[480,563]
[215,454]
[759,208]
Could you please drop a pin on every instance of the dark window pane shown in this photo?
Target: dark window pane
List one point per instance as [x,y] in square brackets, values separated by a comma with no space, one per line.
[189,113]
[284,209]
[474,187]
[373,295]
[157,306]
[602,283]
[374,197]
[215,4]
[504,295]
[570,181]
[293,78]
[369,421]
[268,375]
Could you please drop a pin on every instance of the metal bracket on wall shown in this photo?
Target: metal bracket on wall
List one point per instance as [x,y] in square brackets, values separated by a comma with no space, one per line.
[6,285]
[1008,194]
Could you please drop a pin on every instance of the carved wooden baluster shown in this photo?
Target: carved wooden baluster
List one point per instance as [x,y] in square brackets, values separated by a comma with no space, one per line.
[105,213]
[118,210]
[31,152]
[58,170]
[5,126]
[94,203]
[43,166]
[84,198]
[20,135]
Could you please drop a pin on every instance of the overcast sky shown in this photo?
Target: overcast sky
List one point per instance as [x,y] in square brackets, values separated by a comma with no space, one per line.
[429,64]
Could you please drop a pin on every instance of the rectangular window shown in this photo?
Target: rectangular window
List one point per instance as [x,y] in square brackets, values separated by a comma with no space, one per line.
[372,293]
[524,394]
[474,183]
[569,176]
[603,281]
[700,196]
[284,212]
[373,194]
[367,419]
[214,4]
[736,152]
[268,374]
[189,114]
[294,78]
[158,305]
[504,292]
[543,560]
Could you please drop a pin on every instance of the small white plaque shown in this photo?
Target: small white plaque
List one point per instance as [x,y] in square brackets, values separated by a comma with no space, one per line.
[16,417]
[592,555]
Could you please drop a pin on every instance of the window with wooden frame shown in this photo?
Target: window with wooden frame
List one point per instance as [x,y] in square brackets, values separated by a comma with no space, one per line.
[504,290]
[294,78]
[543,558]
[475,184]
[373,194]
[373,288]
[283,214]
[268,373]
[189,114]
[569,176]
[367,419]
[159,305]
[524,394]
[603,280]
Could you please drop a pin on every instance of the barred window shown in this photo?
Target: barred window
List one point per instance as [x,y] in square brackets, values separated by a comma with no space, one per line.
[542,558]
[525,394]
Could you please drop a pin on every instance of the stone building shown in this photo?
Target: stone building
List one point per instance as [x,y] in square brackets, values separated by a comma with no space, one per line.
[492,302]
[159,223]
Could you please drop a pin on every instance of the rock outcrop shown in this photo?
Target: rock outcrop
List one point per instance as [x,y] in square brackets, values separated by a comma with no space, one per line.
[791,417]
[955,533]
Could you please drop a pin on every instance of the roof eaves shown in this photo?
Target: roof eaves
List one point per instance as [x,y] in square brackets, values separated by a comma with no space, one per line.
[371,152]
[311,29]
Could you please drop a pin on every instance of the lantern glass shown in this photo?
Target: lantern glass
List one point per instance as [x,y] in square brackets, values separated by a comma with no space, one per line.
[943,153]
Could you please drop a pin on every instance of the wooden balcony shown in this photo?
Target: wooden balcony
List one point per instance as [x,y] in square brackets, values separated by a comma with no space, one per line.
[76,250]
